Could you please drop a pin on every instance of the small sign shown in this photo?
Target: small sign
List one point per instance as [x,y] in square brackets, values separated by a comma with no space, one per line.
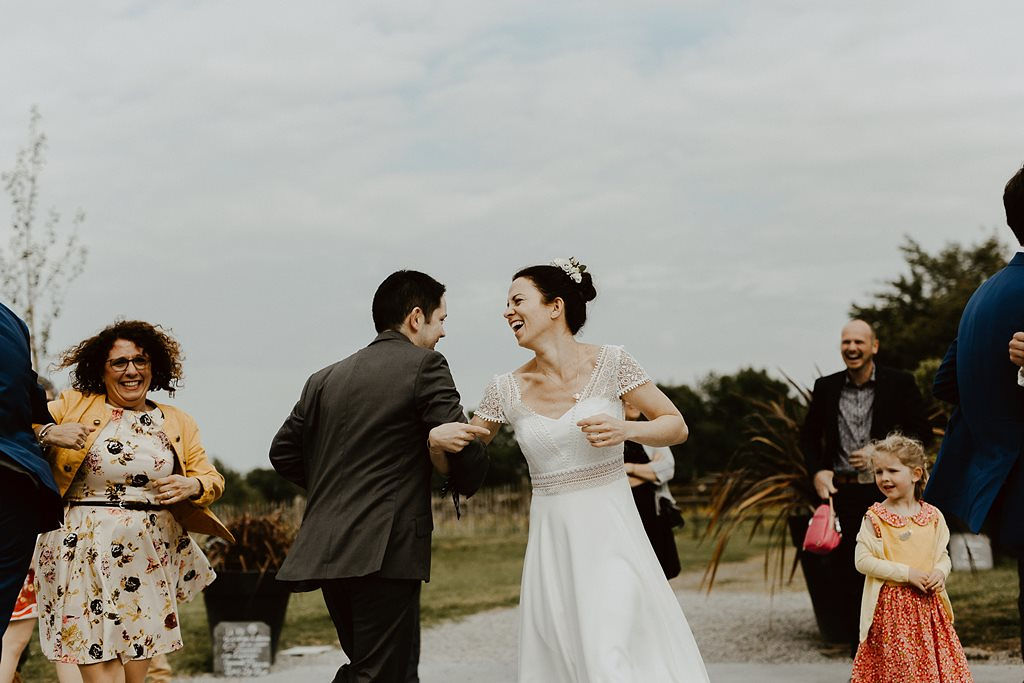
[241,649]
[970,552]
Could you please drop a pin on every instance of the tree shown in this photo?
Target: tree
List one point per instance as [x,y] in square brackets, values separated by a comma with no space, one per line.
[237,491]
[917,314]
[714,411]
[271,486]
[507,464]
[38,266]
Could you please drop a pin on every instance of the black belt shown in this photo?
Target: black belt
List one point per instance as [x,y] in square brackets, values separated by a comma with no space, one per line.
[123,504]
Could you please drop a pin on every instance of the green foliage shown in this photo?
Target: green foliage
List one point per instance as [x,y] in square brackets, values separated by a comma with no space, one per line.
[271,486]
[712,411]
[507,463]
[237,491]
[917,314]
[260,485]
[765,484]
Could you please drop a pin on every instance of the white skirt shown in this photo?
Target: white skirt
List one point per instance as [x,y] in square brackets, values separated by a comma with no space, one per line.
[595,606]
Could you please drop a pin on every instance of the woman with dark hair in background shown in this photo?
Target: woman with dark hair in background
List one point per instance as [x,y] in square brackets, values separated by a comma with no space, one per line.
[135,483]
[595,605]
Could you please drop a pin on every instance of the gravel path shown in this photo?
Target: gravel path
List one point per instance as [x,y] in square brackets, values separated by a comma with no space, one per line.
[744,634]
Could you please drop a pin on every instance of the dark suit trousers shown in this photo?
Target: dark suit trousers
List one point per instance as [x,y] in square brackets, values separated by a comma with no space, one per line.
[378,624]
[1004,517]
[851,502]
[19,522]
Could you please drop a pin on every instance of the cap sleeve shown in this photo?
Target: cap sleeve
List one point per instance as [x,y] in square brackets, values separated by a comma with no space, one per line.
[630,374]
[490,408]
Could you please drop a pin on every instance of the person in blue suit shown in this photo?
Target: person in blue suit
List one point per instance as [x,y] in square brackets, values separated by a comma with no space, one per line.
[978,474]
[30,502]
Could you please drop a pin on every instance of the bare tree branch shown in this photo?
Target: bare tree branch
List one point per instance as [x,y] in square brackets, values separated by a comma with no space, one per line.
[39,264]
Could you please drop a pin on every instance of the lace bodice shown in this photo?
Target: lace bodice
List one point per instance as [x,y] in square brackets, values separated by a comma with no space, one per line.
[559,455]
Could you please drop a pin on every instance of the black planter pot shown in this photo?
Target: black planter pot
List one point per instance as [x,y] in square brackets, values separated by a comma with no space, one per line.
[248,596]
[818,572]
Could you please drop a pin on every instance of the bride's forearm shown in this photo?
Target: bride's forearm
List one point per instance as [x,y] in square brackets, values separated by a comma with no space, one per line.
[664,430]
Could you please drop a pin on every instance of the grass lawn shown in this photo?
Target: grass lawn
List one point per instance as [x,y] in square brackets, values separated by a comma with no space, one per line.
[985,607]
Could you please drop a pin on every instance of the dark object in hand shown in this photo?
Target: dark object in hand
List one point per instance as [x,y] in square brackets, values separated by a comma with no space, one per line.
[671,513]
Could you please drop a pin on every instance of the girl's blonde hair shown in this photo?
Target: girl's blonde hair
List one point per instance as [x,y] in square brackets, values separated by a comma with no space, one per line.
[908,451]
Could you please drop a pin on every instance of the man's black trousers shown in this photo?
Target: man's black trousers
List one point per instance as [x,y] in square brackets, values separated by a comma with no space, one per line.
[19,523]
[378,624]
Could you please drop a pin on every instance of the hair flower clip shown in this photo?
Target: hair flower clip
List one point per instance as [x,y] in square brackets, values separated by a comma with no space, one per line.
[572,268]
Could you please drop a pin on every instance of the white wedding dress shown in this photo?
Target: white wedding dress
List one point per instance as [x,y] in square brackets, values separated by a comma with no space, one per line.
[595,605]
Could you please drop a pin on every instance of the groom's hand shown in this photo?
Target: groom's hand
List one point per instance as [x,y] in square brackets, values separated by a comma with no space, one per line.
[454,436]
[1017,349]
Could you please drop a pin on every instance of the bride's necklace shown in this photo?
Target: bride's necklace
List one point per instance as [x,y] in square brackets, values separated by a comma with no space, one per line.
[577,395]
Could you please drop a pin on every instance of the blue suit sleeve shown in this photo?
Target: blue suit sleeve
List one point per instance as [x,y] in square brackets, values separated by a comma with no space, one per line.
[40,413]
[944,386]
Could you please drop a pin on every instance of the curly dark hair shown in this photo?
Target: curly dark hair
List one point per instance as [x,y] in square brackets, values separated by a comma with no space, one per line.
[89,358]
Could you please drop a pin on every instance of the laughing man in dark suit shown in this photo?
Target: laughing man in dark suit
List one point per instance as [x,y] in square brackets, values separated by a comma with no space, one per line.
[848,410]
[357,442]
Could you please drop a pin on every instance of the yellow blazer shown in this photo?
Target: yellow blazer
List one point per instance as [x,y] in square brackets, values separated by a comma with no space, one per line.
[871,560]
[181,430]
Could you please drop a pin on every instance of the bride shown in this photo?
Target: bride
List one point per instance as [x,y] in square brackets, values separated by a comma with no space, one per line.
[594,605]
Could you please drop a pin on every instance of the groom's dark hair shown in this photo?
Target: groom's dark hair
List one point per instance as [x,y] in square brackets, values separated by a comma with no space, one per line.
[1013,201]
[401,292]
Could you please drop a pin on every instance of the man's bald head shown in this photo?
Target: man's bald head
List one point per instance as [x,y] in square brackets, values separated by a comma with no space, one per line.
[858,326]
[858,345]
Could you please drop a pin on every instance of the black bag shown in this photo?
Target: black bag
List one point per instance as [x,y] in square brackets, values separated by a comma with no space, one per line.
[671,514]
[664,540]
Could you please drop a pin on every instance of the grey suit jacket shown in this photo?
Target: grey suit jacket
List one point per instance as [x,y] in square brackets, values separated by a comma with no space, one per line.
[357,442]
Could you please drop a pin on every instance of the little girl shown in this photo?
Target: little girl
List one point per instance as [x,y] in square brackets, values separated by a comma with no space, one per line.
[906,621]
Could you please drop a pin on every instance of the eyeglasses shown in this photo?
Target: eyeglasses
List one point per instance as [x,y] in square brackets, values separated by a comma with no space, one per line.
[121,364]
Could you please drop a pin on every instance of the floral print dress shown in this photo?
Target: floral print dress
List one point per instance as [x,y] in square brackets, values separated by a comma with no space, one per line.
[108,582]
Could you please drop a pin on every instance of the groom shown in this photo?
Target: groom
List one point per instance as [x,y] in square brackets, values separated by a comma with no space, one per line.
[978,473]
[356,441]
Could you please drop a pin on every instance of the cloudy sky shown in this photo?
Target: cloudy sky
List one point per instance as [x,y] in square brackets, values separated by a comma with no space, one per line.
[734,174]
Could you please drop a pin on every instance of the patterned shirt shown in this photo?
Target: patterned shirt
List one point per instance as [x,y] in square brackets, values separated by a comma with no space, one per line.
[855,403]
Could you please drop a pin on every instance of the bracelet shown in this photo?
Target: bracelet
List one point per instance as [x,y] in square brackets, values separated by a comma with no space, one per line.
[43,432]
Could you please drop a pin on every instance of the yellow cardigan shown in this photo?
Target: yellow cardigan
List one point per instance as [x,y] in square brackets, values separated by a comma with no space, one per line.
[871,561]
[181,430]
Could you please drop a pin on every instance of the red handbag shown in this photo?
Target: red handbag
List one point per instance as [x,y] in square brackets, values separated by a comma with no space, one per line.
[823,531]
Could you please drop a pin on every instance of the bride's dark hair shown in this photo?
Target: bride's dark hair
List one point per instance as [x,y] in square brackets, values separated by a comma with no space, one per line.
[555,283]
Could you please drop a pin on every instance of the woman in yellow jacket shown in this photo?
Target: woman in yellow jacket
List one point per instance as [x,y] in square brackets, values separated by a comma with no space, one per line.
[135,481]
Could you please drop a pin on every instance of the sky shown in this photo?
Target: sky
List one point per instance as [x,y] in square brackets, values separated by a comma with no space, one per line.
[733,174]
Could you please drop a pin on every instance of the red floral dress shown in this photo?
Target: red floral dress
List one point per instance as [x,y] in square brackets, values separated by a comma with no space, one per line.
[25,605]
[911,639]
